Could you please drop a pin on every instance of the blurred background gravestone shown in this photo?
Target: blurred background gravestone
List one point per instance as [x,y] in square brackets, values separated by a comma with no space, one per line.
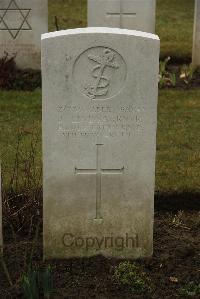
[196,35]
[130,14]
[21,24]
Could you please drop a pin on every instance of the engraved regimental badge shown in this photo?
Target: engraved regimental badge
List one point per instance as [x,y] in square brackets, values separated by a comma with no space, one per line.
[99,73]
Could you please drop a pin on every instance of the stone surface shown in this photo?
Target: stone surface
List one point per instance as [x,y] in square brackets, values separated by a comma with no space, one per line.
[1,221]
[99,142]
[21,24]
[130,14]
[196,35]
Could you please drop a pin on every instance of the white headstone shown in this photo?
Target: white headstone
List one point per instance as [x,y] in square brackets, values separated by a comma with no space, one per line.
[99,141]
[1,221]
[21,24]
[196,35]
[130,14]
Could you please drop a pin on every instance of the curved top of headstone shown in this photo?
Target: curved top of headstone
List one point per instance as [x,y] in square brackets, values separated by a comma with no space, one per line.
[108,30]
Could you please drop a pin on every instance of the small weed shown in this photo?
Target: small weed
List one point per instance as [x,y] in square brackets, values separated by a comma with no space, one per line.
[30,285]
[178,219]
[191,289]
[22,192]
[47,282]
[172,77]
[11,77]
[35,282]
[187,73]
[129,275]
[165,77]
[7,70]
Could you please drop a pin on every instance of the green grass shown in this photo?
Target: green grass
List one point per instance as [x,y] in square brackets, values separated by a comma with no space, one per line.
[20,119]
[70,14]
[178,141]
[174,23]
[178,138]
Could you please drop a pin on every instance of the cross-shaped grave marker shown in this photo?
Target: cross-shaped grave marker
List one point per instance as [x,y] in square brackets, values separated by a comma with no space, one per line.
[98,172]
[120,14]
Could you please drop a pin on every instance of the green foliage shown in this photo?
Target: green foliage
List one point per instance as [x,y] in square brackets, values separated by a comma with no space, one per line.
[172,78]
[13,78]
[129,275]
[7,70]
[47,282]
[34,282]
[165,77]
[30,285]
[163,65]
[20,142]
[178,219]
[5,269]
[26,80]
[190,290]
[187,73]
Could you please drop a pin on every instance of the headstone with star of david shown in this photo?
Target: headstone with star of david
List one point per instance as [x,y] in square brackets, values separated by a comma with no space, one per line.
[130,14]
[21,24]
[99,141]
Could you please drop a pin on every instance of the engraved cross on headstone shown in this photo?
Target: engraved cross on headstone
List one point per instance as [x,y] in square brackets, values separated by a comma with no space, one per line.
[120,14]
[98,172]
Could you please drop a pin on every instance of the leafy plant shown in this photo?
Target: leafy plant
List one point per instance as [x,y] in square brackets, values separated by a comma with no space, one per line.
[11,77]
[30,285]
[47,282]
[187,73]
[190,290]
[5,268]
[172,77]
[178,219]
[165,77]
[7,70]
[162,81]
[129,275]
[35,281]
[163,66]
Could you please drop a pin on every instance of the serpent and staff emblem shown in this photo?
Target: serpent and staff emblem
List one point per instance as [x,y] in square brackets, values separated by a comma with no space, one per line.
[101,83]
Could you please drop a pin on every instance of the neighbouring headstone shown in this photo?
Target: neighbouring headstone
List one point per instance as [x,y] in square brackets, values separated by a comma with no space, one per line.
[196,35]
[130,14]
[99,142]
[1,221]
[21,24]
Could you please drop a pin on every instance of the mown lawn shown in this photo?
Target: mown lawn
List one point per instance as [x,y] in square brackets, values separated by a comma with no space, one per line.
[174,23]
[178,138]
[174,26]
[178,141]
[20,131]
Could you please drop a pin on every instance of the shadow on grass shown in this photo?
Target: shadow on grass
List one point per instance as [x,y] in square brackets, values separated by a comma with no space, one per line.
[176,59]
[175,201]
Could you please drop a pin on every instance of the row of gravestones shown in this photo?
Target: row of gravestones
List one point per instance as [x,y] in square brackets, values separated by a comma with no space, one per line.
[23,21]
[100,90]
